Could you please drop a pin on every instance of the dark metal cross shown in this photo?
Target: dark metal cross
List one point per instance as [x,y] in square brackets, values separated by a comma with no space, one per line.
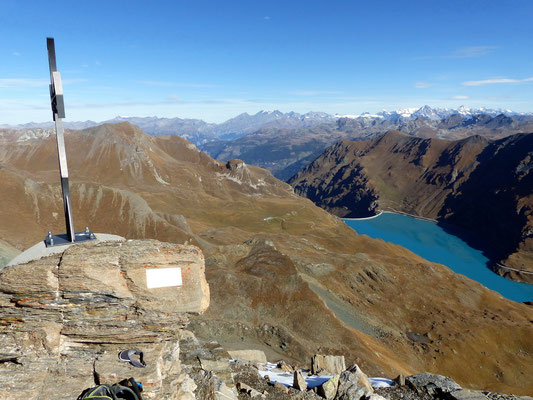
[58,112]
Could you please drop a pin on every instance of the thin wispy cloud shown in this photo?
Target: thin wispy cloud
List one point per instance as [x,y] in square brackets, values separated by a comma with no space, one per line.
[16,53]
[460,97]
[313,92]
[28,83]
[423,85]
[462,52]
[172,99]
[22,82]
[177,84]
[472,51]
[494,81]
[266,18]
[74,80]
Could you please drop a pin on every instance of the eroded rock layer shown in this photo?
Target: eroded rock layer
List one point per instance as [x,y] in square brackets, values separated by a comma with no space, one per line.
[62,313]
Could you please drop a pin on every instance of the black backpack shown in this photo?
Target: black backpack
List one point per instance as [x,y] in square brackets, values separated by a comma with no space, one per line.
[127,389]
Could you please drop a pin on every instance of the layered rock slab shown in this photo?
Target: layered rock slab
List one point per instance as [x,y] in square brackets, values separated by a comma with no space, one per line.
[62,313]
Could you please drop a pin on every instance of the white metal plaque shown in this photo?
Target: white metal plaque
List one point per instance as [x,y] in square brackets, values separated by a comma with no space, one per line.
[163,277]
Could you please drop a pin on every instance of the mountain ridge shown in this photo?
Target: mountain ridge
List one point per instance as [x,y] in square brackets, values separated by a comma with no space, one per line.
[201,132]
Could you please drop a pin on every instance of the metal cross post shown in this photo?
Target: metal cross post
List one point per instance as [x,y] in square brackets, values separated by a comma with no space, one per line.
[58,112]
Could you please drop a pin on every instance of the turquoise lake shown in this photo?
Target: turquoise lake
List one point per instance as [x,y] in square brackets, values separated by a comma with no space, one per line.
[431,242]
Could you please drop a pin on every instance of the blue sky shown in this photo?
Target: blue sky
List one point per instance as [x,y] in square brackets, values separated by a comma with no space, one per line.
[215,59]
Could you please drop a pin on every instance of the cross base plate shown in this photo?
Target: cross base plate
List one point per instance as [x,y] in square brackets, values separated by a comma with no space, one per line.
[62,240]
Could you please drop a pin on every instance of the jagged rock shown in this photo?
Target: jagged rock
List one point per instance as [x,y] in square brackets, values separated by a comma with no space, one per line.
[400,380]
[332,364]
[244,388]
[353,384]
[466,394]
[214,365]
[221,391]
[299,381]
[61,313]
[254,393]
[375,396]
[328,389]
[434,384]
[255,356]
[185,388]
[285,367]
[281,387]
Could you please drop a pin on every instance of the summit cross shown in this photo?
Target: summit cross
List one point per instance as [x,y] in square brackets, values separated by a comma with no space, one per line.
[58,113]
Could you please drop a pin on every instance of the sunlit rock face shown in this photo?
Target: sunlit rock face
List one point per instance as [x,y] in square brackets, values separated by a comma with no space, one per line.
[62,313]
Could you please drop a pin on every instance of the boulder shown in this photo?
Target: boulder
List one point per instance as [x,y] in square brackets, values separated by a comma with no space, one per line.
[432,383]
[64,313]
[244,388]
[221,391]
[216,365]
[466,394]
[375,396]
[281,387]
[285,367]
[255,356]
[299,382]
[332,364]
[353,384]
[328,389]
[400,380]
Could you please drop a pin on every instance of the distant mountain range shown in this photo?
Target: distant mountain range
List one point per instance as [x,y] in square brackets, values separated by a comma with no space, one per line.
[284,143]
[200,132]
[285,151]
[434,113]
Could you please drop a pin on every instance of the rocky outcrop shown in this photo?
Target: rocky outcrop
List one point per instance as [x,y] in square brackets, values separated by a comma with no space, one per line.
[63,314]
[329,364]
[434,384]
[256,356]
[353,384]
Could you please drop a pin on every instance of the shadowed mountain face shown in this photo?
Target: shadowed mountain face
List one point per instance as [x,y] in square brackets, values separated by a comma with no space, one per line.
[497,199]
[285,276]
[481,186]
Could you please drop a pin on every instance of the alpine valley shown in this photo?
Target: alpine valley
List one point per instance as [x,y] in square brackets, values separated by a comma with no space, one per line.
[285,275]
[484,187]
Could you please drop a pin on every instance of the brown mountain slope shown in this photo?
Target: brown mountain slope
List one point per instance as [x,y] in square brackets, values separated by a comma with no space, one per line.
[284,275]
[483,187]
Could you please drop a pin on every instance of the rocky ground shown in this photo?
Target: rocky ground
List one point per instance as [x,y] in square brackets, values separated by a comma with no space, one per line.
[219,377]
